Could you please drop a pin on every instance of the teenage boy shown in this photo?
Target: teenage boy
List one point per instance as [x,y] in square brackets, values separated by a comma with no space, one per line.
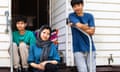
[85,22]
[22,39]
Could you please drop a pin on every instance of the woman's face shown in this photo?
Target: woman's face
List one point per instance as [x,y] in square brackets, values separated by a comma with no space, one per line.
[45,34]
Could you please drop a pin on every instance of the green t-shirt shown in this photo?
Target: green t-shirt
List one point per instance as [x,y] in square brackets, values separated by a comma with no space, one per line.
[28,37]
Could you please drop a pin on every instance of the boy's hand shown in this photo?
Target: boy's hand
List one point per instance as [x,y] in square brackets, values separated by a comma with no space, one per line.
[70,24]
[84,27]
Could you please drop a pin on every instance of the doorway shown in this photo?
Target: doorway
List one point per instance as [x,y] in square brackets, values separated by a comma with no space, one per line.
[36,11]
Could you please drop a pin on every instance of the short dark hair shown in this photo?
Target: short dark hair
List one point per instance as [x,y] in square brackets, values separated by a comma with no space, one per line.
[73,2]
[20,18]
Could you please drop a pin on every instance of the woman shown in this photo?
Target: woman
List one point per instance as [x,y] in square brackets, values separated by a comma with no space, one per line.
[43,56]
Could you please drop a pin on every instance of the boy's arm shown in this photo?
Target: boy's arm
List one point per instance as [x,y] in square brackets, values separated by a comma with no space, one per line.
[82,26]
[86,28]
[91,31]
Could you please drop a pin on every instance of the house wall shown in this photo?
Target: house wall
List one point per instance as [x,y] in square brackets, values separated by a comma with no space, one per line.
[58,21]
[4,37]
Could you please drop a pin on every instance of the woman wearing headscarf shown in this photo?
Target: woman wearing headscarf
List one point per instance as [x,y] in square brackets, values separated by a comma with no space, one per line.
[43,56]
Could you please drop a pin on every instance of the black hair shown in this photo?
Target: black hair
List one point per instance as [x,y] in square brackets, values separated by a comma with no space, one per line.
[20,18]
[16,19]
[44,27]
[73,2]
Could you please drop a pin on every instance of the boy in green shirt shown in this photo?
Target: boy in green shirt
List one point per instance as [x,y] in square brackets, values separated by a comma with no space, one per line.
[22,39]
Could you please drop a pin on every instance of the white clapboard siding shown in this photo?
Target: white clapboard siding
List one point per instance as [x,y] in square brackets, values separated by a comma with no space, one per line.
[105,1]
[105,15]
[105,7]
[4,3]
[58,20]
[103,60]
[104,46]
[107,35]
[108,30]
[2,28]
[106,23]
[4,45]
[107,38]
[4,38]
[2,19]
[5,62]
[2,10]
[4,53]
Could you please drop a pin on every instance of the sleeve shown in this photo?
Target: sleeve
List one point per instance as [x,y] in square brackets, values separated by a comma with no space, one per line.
[31,55]
[55,53]
[91,22]
[32,38]
[73,18]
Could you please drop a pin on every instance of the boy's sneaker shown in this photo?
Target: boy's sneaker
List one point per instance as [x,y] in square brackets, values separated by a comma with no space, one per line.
[25,70]
[18,70]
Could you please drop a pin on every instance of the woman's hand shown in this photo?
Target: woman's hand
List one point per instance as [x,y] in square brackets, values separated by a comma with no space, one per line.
[41,66]
[52,62]
[38,66]
[43,63]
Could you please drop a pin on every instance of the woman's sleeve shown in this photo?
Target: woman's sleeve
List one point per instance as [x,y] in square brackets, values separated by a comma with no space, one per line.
[31,54]
[55,54]
[32,38]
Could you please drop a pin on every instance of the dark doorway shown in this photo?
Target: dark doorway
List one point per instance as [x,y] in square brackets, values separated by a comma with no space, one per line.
[36,11]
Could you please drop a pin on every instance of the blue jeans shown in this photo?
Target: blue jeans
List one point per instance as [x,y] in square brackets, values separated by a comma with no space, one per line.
[82,61]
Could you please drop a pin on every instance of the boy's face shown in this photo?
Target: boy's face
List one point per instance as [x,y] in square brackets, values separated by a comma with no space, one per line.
[21,25]
[78,8]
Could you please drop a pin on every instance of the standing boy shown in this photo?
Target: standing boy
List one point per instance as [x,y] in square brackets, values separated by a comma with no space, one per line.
[85,22]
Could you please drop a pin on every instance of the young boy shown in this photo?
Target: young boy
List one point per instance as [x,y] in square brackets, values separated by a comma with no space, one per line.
[85,22]
[22,39]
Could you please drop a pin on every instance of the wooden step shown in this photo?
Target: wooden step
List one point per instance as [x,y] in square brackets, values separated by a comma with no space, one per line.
[63,68]
[4,69]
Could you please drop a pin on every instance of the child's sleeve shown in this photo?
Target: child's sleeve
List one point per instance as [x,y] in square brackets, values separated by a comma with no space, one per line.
[91,22]
[55,54]
[73,18]
[32,38]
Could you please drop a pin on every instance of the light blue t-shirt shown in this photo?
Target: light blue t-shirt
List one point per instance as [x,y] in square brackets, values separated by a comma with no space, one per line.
[80,40]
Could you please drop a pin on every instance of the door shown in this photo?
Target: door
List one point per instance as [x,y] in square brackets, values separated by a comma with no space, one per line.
[36,11]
